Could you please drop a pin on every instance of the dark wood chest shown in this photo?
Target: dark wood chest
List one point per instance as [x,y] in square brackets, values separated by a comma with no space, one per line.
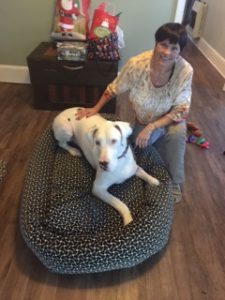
[61,84]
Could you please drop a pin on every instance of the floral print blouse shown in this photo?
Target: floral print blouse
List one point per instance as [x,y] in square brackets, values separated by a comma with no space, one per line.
[150,102]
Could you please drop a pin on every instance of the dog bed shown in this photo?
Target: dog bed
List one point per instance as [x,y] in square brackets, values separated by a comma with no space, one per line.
[71,231]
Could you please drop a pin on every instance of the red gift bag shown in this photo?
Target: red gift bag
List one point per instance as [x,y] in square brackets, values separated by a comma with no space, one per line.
[103,23]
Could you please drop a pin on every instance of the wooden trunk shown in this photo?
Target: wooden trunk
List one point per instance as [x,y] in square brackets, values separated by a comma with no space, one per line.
[60,84]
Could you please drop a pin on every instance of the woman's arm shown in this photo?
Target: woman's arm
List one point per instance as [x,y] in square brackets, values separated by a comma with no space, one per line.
[143,137]
[88,112]
[119,85]
[182,97]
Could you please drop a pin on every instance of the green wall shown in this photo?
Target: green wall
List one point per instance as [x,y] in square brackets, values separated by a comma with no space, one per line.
[24,24]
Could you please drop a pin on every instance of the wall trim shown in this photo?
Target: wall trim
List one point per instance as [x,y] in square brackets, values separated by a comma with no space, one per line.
[14,74]
[211,54]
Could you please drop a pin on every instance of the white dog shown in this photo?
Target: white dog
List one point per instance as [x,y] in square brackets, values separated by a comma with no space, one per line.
[104,144]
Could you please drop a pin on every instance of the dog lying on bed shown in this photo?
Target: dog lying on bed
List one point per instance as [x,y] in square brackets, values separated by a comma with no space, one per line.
[104,144]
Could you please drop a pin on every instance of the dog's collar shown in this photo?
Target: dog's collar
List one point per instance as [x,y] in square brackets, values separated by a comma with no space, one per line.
[124,152]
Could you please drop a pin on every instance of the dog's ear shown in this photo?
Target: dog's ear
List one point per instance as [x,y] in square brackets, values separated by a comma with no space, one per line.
[91,133]
[124,128]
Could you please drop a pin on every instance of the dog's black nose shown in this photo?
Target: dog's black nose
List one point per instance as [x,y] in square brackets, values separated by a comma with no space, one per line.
[103,165]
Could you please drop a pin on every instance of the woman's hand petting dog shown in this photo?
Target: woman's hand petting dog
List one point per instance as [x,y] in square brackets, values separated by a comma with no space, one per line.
[85,112]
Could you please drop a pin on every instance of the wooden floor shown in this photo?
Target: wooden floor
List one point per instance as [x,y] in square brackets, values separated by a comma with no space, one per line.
[193,264]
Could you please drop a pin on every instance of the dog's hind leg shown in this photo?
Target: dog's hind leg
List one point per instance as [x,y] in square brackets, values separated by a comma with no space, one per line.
[146,177]
[64,134]
[114,202]
[73,151]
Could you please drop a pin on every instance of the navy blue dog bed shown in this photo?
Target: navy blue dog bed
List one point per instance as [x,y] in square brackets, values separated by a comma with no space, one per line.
[71,231]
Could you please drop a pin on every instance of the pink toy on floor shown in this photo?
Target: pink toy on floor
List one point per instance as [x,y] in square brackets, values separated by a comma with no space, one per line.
[199,141]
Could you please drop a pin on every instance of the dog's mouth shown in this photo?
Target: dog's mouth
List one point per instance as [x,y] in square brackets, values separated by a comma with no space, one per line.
[103,166]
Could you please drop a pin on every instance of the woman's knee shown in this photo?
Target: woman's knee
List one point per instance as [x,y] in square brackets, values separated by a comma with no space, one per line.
[177,131]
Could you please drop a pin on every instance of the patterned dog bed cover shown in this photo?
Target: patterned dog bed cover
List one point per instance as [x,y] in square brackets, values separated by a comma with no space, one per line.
[71,231]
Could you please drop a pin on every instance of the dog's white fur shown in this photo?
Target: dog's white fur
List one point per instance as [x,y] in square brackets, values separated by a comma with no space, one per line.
[104,144]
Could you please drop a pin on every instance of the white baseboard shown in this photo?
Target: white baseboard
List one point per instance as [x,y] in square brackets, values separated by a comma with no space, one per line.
[14,74]
[211,54]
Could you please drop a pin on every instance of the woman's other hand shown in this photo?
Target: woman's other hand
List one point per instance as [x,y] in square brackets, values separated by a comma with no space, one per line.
[144,136]
[86,113]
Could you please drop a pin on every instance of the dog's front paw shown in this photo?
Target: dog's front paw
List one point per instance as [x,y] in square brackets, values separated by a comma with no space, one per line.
[155,182]
[127,219]
[74,152]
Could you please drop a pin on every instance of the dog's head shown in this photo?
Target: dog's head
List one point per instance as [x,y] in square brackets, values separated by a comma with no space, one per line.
[110,143]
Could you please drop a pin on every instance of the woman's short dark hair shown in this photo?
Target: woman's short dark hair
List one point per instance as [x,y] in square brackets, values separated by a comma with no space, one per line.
[174,32]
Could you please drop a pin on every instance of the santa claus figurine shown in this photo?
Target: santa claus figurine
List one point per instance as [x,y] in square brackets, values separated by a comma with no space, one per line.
[68,12]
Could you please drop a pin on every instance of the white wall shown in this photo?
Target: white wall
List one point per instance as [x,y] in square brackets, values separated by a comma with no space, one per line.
[212,42]
[23,27]
[214,29]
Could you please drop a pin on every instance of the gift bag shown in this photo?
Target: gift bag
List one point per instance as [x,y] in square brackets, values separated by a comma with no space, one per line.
[71,20]
[103,49]
[103,23]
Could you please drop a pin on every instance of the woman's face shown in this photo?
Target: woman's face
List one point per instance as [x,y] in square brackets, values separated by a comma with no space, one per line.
[166,53]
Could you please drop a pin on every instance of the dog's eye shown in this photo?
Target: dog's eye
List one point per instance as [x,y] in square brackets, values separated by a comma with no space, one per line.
[97,143]
[113,141]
